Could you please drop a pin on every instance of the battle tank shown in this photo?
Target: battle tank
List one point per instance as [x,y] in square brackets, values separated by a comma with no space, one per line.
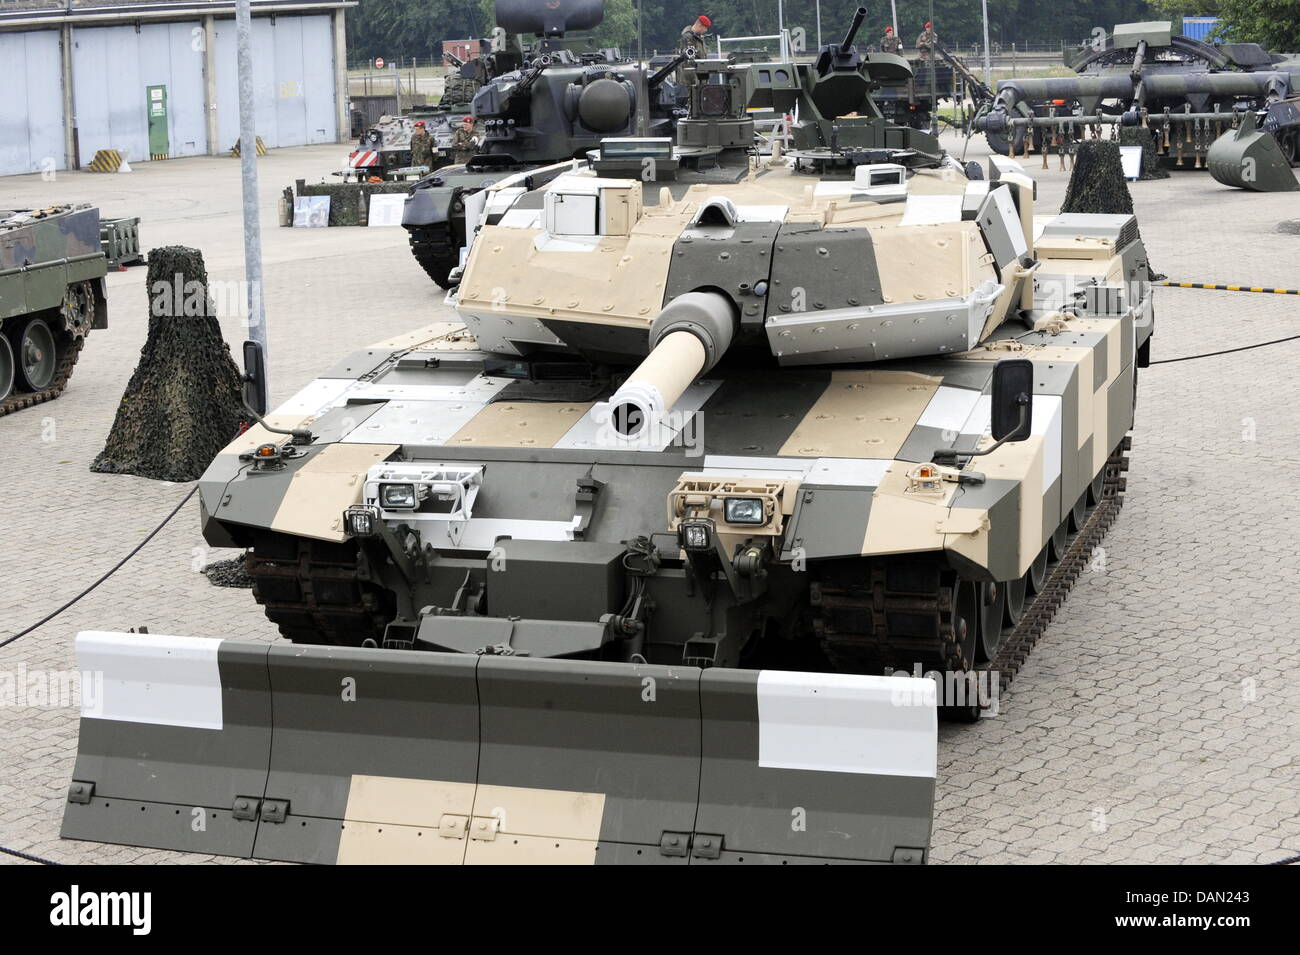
[609,569]
[841,316]
[541,105]
[1142,74]
[52,269]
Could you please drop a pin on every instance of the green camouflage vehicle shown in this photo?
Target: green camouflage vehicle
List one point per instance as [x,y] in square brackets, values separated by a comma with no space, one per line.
[52,270]
[635,560]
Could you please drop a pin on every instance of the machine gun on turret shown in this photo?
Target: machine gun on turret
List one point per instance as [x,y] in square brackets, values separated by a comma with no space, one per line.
[666,70]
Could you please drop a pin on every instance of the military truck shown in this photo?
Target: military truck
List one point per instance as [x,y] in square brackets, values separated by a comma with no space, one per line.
[542,104]
[612,568]
[52,269]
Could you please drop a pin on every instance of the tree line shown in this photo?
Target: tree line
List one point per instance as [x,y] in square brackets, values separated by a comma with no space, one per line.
[400,29]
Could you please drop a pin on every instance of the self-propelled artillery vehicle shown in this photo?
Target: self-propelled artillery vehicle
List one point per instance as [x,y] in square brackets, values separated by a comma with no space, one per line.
[612,566]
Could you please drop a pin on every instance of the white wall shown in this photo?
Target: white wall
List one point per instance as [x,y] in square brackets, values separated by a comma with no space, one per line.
[31,104]
[293,88]
[111,66]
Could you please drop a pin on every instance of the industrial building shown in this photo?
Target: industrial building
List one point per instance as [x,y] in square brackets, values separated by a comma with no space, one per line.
[157,79]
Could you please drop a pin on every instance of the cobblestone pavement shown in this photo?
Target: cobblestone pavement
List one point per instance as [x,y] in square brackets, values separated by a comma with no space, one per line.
[1157,720]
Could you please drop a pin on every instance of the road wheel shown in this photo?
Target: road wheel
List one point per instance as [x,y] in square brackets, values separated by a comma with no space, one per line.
[6,368]
[36,356]
[993,607]
[1059,540]
[1037,575]
[1017,590]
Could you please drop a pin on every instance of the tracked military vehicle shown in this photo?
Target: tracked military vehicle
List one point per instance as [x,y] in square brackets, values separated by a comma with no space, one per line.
[52,269]
[541,105]
[612,567]
[836,324]
[384,150]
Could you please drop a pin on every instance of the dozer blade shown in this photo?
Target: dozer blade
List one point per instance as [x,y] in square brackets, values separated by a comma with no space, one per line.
[326,754]
[1248,158]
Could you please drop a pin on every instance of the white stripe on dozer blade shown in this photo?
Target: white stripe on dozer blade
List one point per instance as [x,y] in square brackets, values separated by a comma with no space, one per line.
[152,678]
[847,723]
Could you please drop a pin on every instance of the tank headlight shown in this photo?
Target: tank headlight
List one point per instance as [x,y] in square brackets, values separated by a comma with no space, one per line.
[397,496]
[744,510]
[694,535]
[361,520]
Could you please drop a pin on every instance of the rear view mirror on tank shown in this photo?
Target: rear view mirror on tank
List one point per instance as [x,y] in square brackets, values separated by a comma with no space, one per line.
[254,377]
[1013,389]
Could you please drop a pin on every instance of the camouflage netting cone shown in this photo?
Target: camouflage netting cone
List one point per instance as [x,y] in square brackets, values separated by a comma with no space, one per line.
[1097,184]
[183,403]
[1145,137]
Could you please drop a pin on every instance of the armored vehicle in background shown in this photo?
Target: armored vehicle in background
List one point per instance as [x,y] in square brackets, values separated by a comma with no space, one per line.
[1143,75]
[912,100]
[541,105]
[52,269]
[384,150]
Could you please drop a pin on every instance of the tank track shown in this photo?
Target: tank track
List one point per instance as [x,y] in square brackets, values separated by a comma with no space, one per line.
[70,347]
[843,601]
[314,591]
[437,258]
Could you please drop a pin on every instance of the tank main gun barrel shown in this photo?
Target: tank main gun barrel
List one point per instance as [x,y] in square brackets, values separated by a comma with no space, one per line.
[858,17]
[687,338]
[657,383]
[667,69]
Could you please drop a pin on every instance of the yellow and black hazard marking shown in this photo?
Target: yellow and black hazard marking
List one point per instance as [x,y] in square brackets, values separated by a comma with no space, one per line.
[106,160]
[1233,288]
[159,156]
[261,147]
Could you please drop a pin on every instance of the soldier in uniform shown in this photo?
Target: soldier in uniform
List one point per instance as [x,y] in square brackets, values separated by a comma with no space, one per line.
[693,35]
[421,146]
[890,43]
[464,143]
[926,41]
